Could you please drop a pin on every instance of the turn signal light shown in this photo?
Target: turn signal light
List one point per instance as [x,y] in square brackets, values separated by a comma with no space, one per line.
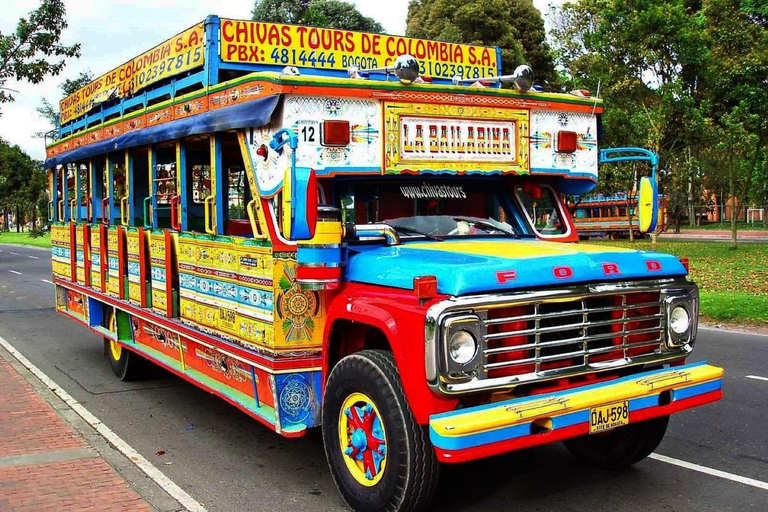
[335,133]
[567,142]
[425,287]
[686,263]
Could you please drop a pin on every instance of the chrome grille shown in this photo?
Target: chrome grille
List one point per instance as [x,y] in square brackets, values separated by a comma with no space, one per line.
[554,334]
[568,334]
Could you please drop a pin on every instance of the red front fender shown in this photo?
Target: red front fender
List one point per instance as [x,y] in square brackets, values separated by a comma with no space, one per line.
[400,317]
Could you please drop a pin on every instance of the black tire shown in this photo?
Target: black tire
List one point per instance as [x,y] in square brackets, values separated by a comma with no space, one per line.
[129,366]
[621,447]
[410,474]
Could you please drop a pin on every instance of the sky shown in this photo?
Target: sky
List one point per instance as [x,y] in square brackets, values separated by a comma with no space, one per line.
[111,32]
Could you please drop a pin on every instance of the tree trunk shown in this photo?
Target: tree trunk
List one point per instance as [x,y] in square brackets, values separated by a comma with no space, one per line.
[18,219]
[734,218]
[629,217]
[691,207]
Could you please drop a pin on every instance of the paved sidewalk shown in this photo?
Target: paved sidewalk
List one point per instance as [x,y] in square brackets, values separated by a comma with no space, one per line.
[45,465]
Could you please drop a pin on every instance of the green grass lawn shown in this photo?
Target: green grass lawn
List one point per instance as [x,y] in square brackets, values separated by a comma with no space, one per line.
[726,226]
[24,239]
[733,284]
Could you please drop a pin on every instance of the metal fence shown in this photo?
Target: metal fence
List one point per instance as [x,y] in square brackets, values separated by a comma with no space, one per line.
[752,216]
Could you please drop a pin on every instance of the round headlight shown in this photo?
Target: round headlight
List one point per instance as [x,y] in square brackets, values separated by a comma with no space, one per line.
[679,320]
[462,347]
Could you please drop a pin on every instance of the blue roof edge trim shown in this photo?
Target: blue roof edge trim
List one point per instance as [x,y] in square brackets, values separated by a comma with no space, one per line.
[253,113]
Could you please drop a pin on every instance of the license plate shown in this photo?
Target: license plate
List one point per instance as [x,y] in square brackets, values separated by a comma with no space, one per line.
[607,417]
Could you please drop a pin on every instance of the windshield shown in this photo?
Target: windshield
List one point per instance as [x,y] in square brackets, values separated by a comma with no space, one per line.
[435,208]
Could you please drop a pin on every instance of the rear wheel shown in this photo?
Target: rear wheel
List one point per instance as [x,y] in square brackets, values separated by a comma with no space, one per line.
[126,365]
[621,447]
[380,458]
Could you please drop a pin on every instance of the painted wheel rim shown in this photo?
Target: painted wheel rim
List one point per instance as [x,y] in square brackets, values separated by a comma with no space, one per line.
[362,439]
[116,349]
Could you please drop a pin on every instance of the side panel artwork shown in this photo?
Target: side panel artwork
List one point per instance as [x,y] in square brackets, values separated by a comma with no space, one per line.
[80,252]
[299,313]
[98,261]
[255,305]
[304,115]
[139,286]
[299,396]
[61,252]
[216,296]
[545,125]
[236,379]
[115,243]
[163,265]
[77,305]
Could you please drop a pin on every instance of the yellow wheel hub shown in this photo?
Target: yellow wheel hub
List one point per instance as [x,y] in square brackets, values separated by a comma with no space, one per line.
[116,349]
[362,439]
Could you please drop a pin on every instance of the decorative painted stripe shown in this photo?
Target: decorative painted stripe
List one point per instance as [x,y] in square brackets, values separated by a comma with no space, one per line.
[267,283]
[482,425]
[61,252]
[267,359]
[225,291]
[581,417]
[316,255]
[260,314]
[157,274]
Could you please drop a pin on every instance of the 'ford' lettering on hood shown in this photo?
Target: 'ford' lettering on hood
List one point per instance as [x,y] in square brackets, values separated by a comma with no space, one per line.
[463,267]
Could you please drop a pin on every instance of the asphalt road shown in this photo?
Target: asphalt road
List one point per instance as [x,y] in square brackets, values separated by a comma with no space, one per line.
[229,462]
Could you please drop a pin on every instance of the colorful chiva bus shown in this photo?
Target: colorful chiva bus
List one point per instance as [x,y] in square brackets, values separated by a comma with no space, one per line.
[606,216]
[326,233]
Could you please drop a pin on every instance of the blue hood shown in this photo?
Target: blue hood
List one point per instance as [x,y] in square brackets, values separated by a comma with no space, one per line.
[464,267]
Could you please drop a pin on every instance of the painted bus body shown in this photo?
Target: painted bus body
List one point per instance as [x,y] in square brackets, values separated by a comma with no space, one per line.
[170,239]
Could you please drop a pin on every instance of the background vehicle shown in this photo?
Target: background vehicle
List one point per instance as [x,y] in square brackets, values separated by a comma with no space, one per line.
[392,272]
[601,215]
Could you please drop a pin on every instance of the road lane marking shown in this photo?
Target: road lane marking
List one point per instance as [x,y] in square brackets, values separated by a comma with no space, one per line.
[757,378]
[14,272]
[14,253]
[709,471]
[47,281]
[33,257]
[731,331]
[168,485]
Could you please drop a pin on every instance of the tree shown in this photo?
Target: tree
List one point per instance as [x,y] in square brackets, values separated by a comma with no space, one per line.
[50,111]
[737,35]
[17,183]
[316,13]
[29,53]
[515,26]
[647,58]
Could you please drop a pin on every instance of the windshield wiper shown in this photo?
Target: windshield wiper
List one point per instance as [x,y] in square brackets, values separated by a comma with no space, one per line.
[412,231]
[487,224]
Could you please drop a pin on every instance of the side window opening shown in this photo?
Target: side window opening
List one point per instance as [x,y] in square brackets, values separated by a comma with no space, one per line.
[543,209]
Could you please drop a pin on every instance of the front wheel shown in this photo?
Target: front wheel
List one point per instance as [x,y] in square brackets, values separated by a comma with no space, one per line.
[380,458]
[621,447]
[126,365]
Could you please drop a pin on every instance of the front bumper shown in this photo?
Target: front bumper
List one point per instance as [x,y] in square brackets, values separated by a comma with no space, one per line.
[487,430]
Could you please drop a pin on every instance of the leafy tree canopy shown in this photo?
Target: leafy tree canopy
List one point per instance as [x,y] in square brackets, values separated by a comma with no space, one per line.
[685,78]
[30,53]
[316,13]
[515,26]
[50,111]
